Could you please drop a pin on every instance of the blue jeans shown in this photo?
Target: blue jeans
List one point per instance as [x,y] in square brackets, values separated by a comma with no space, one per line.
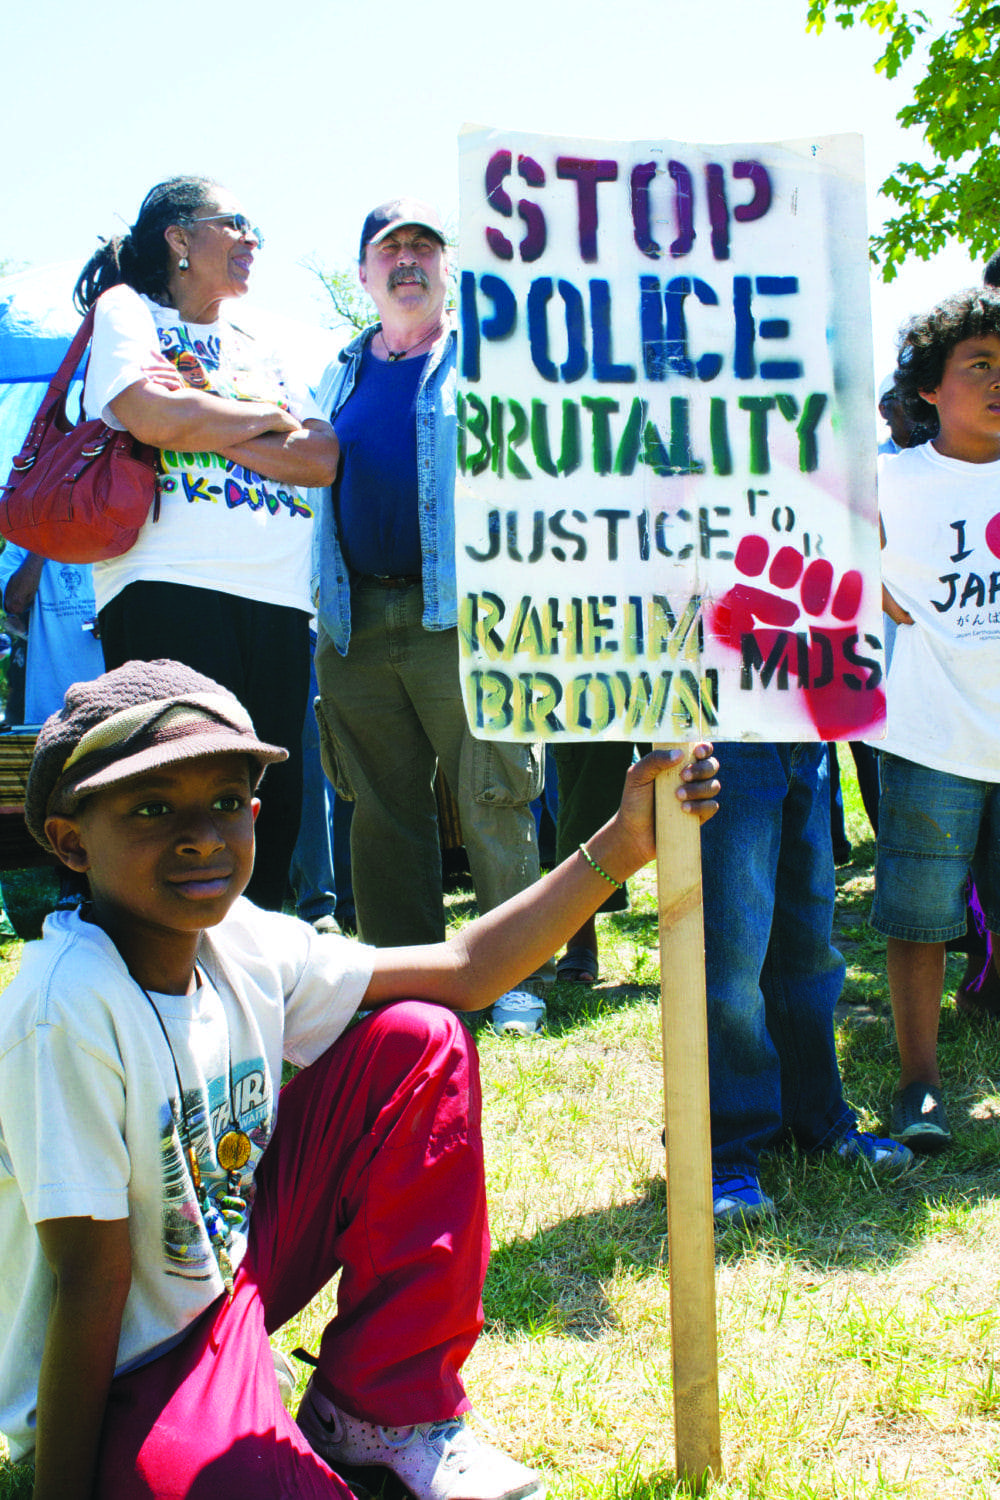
[320,875]
[772,974]
[934,828]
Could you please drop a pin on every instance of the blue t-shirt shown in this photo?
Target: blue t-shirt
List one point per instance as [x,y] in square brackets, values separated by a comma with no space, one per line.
[61,650]
[376,495]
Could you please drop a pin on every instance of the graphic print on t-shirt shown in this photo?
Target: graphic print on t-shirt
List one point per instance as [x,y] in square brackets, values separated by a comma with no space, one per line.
[941,564]
[186,1246]
[229,365]
[969,593]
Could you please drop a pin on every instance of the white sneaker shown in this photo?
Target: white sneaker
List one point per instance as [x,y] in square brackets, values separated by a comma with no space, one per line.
[518,1013]
[432,1460]
[327,923]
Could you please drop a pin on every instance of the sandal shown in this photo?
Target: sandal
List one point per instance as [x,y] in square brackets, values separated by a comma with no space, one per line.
[577,966]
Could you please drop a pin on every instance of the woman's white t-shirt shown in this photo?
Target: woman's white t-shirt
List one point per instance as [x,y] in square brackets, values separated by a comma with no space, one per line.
[220,526]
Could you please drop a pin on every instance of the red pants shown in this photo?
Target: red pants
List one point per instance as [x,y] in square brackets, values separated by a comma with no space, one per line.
[375,1167]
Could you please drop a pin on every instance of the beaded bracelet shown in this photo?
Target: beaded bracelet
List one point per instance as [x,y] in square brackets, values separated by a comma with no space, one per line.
[592,862]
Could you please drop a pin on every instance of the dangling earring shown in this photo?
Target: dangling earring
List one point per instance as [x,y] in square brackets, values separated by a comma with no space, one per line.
[182,264]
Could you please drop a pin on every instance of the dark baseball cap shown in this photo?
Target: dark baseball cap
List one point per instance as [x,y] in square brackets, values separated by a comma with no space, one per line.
[393,215]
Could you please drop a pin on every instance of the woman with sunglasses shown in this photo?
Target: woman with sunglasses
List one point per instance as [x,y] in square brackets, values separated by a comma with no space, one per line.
[219,575]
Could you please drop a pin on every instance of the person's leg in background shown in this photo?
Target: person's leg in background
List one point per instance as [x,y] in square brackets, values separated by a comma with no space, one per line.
[260,652]
[591,777]
[320,873]
[376,751]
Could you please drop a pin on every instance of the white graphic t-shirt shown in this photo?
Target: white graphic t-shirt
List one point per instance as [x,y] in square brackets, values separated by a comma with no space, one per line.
[941,562]
[220,526]
[92,1125]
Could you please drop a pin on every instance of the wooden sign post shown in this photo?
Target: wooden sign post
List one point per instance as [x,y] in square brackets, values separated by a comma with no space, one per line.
[690,1226]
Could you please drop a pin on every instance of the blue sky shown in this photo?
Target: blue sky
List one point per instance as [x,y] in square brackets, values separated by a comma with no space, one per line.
[313,112]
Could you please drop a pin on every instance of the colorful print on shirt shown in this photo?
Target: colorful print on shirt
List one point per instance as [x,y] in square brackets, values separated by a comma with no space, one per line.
[232,365]
[186,1246]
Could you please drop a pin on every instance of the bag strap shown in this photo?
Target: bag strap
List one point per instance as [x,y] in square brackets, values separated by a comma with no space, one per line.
[61,379]
[53,403]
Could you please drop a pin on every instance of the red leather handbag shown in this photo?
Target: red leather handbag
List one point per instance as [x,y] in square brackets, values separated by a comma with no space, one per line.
[77,493]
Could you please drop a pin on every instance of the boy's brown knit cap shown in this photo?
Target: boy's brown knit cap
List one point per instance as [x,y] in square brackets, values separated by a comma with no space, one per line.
[142,715]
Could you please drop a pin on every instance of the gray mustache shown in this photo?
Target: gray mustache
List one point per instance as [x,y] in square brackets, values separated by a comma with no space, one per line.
[410,274]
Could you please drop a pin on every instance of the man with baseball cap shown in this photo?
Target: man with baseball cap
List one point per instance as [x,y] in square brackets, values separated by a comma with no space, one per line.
[390,705]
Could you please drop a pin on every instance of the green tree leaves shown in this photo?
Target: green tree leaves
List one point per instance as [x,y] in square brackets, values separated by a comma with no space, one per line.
[351,305]
[956,105]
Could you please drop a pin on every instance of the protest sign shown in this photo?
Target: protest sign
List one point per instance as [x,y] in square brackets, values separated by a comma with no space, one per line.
[666,513]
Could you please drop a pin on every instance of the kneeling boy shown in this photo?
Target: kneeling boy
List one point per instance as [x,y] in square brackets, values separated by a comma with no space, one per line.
[159,1216]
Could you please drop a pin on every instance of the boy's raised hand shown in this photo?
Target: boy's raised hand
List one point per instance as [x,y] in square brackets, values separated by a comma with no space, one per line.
[697,791]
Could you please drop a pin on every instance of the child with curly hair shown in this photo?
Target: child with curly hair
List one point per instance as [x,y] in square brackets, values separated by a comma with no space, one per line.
[939,813]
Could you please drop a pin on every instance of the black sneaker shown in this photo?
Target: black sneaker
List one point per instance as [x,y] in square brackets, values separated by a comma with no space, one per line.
[918,1118]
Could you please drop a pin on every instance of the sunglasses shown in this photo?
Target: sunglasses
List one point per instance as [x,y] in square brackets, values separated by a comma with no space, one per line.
[239,223]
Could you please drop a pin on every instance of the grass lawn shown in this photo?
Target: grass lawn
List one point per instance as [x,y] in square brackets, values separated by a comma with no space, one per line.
[856,1336]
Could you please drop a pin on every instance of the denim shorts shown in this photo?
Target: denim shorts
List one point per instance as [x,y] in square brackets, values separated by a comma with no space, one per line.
[934,829]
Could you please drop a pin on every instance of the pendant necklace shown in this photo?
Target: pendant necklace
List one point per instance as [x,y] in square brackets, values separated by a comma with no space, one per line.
[232,1152]
[399,354]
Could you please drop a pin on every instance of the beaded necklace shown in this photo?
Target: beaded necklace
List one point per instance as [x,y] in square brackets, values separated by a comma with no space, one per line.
[232,1152]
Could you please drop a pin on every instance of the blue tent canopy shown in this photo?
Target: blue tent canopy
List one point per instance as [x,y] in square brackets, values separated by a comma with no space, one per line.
[37,321]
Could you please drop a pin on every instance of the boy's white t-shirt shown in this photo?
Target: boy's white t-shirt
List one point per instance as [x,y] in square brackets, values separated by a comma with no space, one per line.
[941,562]
[89,1112]
[220,526]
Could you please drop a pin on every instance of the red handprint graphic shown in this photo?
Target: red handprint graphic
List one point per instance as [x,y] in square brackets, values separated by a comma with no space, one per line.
[804,637]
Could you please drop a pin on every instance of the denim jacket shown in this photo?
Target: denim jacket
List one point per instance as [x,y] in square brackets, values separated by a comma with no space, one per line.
[436,450]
